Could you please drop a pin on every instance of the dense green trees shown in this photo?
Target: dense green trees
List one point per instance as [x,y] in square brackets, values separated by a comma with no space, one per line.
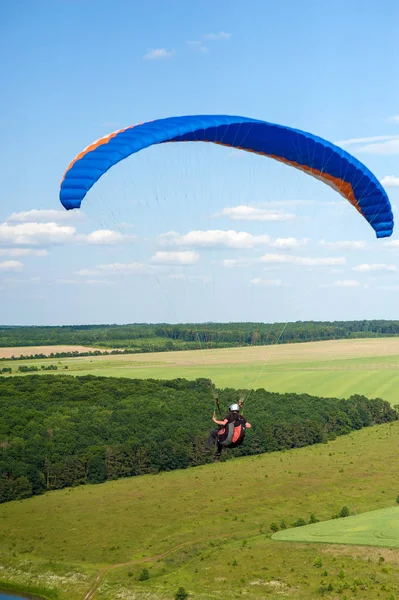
[164,337]
[60,431]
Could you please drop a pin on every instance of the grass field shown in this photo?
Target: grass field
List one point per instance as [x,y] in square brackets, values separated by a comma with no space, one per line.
[334,368]
[208,529]
[375,528]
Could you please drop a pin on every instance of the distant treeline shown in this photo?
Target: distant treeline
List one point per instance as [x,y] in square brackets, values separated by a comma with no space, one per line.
[164,337]
[60,431]
[29,369]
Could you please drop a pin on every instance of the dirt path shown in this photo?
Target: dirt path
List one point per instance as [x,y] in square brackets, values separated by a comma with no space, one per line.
[103,572]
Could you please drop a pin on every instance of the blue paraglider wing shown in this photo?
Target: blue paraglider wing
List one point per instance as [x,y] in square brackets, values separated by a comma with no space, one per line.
[309,153]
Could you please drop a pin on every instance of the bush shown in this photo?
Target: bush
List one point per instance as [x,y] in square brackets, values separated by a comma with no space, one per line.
[283,524]
[299,523]
[344,512]
[181,594]
[273,527]
[144,575]
[313,519]
[318,562]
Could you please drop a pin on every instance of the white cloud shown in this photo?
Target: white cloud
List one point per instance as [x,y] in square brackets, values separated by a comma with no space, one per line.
[285,243]
[395,118]
[222,35]
[106,237]
[267,282]
[45,216]
[378,144]
[301,260]
[175,258]
[343,244]
[158,54]
[365,140]
[22,252]
[198,45]
[342,283]
[383,148]
[117,269]
[214,238]
[11,265]
[35,234]
[390,181]
[48,234]
[250,213]
[231,263]
[392,244]
[374,268]
[284,259]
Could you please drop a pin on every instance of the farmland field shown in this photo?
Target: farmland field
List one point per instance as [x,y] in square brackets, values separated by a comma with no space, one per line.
[329,368]
[30,350]
[374,528]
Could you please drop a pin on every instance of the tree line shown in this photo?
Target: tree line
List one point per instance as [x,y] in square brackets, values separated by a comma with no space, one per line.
[154,337]
[61,431]
[29,369]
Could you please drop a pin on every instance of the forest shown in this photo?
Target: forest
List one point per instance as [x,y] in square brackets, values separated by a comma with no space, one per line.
[62,431]
[164,337]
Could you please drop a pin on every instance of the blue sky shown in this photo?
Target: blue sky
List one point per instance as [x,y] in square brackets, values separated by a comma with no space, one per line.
[191,232]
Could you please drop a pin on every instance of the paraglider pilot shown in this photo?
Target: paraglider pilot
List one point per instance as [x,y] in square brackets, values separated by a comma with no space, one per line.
[231,431]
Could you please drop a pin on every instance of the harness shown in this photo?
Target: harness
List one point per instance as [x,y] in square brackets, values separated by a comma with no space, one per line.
[233,433]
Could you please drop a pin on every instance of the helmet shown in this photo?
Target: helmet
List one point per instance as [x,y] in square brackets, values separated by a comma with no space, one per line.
[234,407]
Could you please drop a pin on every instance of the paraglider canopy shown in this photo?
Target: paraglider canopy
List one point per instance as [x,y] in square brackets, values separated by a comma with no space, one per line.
[305,151]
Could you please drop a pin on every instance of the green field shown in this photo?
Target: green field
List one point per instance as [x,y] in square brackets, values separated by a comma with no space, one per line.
[208,529]
[375,528]
[335,368]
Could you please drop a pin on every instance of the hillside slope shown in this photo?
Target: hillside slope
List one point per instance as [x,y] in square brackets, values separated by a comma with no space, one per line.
[208,528]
